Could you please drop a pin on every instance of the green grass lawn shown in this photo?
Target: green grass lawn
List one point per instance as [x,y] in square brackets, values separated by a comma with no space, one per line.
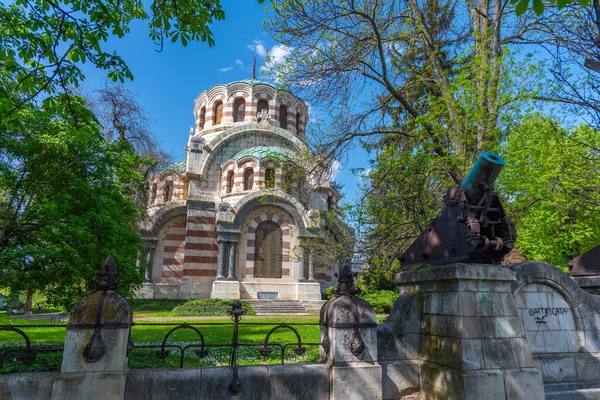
[154,335]
[216,330]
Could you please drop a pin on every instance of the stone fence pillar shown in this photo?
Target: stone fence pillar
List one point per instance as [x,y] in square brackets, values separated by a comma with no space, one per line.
[349,337]
[473,343]
[94,362]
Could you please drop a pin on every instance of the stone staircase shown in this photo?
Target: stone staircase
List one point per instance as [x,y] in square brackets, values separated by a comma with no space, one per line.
[290,307]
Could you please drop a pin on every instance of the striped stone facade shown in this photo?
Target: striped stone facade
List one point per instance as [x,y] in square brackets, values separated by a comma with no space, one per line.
[204,212]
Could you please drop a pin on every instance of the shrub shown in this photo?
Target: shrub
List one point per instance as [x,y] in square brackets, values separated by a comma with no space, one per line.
[155,304]
[328,294]
[382,300]
[208,307]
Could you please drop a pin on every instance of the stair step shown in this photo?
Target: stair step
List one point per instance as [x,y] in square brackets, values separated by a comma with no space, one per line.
[271,306]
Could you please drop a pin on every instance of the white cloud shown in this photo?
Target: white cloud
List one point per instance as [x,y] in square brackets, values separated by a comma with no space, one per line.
[336,167]
[225,69]
[240,63]
[277,53]
[258,47]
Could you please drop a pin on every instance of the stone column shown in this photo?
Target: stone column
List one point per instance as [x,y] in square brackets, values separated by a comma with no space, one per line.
[232,260]
[311,266]
[349,337]
[221,261]
[94,364]
[149,262]
[302,274]
[473,343]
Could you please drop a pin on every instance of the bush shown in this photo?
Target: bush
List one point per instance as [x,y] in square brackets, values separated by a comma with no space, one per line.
[328,294]
[208,307]
[382,300]
[155,304]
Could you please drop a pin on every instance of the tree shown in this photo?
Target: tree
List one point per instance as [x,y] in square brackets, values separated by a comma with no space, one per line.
[424,85]
[65,202]
[44,41]
[552,191]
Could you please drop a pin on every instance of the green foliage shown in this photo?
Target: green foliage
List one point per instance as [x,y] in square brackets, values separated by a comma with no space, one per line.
[329,293]
[65,202]
[382,301]
[378,276]
[551,187]
[44,42]
[538,5]
[208,307]
[155,304]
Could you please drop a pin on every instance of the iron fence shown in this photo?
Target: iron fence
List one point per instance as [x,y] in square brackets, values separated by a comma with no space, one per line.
[27,353]
[199,347]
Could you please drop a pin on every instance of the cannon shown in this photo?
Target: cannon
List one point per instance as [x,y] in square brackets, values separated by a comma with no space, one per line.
[472,225]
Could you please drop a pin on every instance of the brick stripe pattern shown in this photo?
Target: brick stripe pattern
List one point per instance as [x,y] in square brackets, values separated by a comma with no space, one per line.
[228,94]
[288,229]
[158,186]
[258,166]
[171,244]
[201,249]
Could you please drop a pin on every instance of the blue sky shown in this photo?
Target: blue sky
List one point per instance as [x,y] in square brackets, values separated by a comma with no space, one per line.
[168,82]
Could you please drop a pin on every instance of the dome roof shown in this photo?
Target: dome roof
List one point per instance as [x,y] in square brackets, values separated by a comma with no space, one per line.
[261,152]
[177,167]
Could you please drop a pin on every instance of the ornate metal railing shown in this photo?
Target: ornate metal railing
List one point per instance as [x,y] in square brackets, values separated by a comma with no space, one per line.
[199,347]
[27,353]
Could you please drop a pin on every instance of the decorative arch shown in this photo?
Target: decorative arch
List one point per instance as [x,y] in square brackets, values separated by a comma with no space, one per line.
[276,198]
[283,116]
[230,181]
[531,273]
[248,178]
[226,137]
[163,215]
[239,110]
[168,191]
[217,112]
[202,117]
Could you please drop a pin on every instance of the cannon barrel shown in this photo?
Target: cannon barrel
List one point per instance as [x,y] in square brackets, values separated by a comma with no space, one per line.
[483,173]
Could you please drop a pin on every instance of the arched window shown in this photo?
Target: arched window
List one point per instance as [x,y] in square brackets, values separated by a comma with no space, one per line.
[218,113]
[168,191]
[262,105]
[270,178]
[248,179]
[267,250]
[230,181]
[153,193]
[298,116]
[202,117]
[283,117]
[239,110]
[329,202]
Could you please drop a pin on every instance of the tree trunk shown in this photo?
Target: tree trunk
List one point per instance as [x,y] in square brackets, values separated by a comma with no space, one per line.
[28,301]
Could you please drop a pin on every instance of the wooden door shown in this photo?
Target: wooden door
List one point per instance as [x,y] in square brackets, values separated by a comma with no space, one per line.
[267,251]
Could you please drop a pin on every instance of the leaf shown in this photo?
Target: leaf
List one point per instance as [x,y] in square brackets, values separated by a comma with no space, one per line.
[538,7]
[584,3]
[522,7]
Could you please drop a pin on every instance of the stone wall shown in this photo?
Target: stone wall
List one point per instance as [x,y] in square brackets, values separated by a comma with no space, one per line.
[309,382]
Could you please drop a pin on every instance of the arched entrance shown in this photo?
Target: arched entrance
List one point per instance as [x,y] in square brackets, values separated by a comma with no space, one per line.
[268,250]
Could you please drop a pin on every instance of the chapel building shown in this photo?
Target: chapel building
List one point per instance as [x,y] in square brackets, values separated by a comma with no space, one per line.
[223,223]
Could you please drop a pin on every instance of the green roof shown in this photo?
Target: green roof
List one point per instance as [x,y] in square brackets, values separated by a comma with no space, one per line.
[177,167]
[261,152]
[253,82]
